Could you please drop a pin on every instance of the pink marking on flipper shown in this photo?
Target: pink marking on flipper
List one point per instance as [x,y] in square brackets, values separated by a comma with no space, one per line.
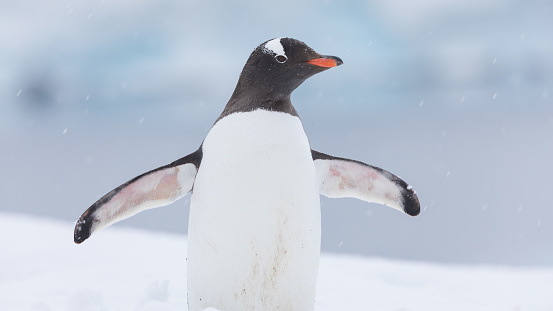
[333,172]
[347,181]
[372,174]
[161,185]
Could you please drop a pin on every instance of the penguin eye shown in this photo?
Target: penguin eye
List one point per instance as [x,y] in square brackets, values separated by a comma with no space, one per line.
[281,58]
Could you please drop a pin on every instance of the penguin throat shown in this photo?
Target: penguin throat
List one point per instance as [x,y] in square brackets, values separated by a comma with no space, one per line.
[251,103]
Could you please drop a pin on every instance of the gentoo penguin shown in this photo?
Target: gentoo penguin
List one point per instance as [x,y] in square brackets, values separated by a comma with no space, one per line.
[255,224]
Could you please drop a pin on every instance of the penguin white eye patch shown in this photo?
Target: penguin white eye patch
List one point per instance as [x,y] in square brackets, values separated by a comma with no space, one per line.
[274,47]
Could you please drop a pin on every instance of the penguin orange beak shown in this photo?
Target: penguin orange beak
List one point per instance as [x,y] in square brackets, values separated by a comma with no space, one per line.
[326,61]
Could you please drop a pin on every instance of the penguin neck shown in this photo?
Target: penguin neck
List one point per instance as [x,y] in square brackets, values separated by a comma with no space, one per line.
[260,98]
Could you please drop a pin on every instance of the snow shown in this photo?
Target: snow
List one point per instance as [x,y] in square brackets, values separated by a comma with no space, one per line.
[123,269]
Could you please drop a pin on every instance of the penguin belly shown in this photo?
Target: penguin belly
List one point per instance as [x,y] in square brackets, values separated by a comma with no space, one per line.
[255,226]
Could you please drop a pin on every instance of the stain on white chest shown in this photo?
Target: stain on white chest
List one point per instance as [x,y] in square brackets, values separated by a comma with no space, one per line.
[254,233]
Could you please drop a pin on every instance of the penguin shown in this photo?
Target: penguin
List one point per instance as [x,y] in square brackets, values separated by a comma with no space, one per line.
[254,232]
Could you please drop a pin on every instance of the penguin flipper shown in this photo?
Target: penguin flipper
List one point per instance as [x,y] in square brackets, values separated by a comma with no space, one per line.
[152,189]
[340,177]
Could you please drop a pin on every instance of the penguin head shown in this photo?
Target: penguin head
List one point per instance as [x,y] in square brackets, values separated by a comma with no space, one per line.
[278,66]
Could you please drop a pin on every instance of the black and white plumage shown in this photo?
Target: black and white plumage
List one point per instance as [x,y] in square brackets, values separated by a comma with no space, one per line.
[255,227]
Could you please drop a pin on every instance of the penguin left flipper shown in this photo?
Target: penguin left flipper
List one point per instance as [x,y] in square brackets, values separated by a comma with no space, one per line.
[340,177]
[152,189]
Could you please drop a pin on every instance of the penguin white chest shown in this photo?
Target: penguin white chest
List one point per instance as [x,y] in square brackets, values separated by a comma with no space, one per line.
[254,233]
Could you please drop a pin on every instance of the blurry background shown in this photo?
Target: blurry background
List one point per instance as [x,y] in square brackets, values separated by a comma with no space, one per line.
[455,97]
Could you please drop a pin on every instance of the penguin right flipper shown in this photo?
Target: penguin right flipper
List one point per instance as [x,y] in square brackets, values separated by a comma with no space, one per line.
[340,177]
[152,189]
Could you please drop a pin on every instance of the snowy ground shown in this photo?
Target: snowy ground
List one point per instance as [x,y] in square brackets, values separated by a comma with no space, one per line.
[128,269]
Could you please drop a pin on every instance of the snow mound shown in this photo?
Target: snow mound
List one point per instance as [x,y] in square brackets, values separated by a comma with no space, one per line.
[127,269]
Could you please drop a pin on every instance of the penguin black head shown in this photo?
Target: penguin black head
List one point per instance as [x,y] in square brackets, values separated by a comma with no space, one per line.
[273,71]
